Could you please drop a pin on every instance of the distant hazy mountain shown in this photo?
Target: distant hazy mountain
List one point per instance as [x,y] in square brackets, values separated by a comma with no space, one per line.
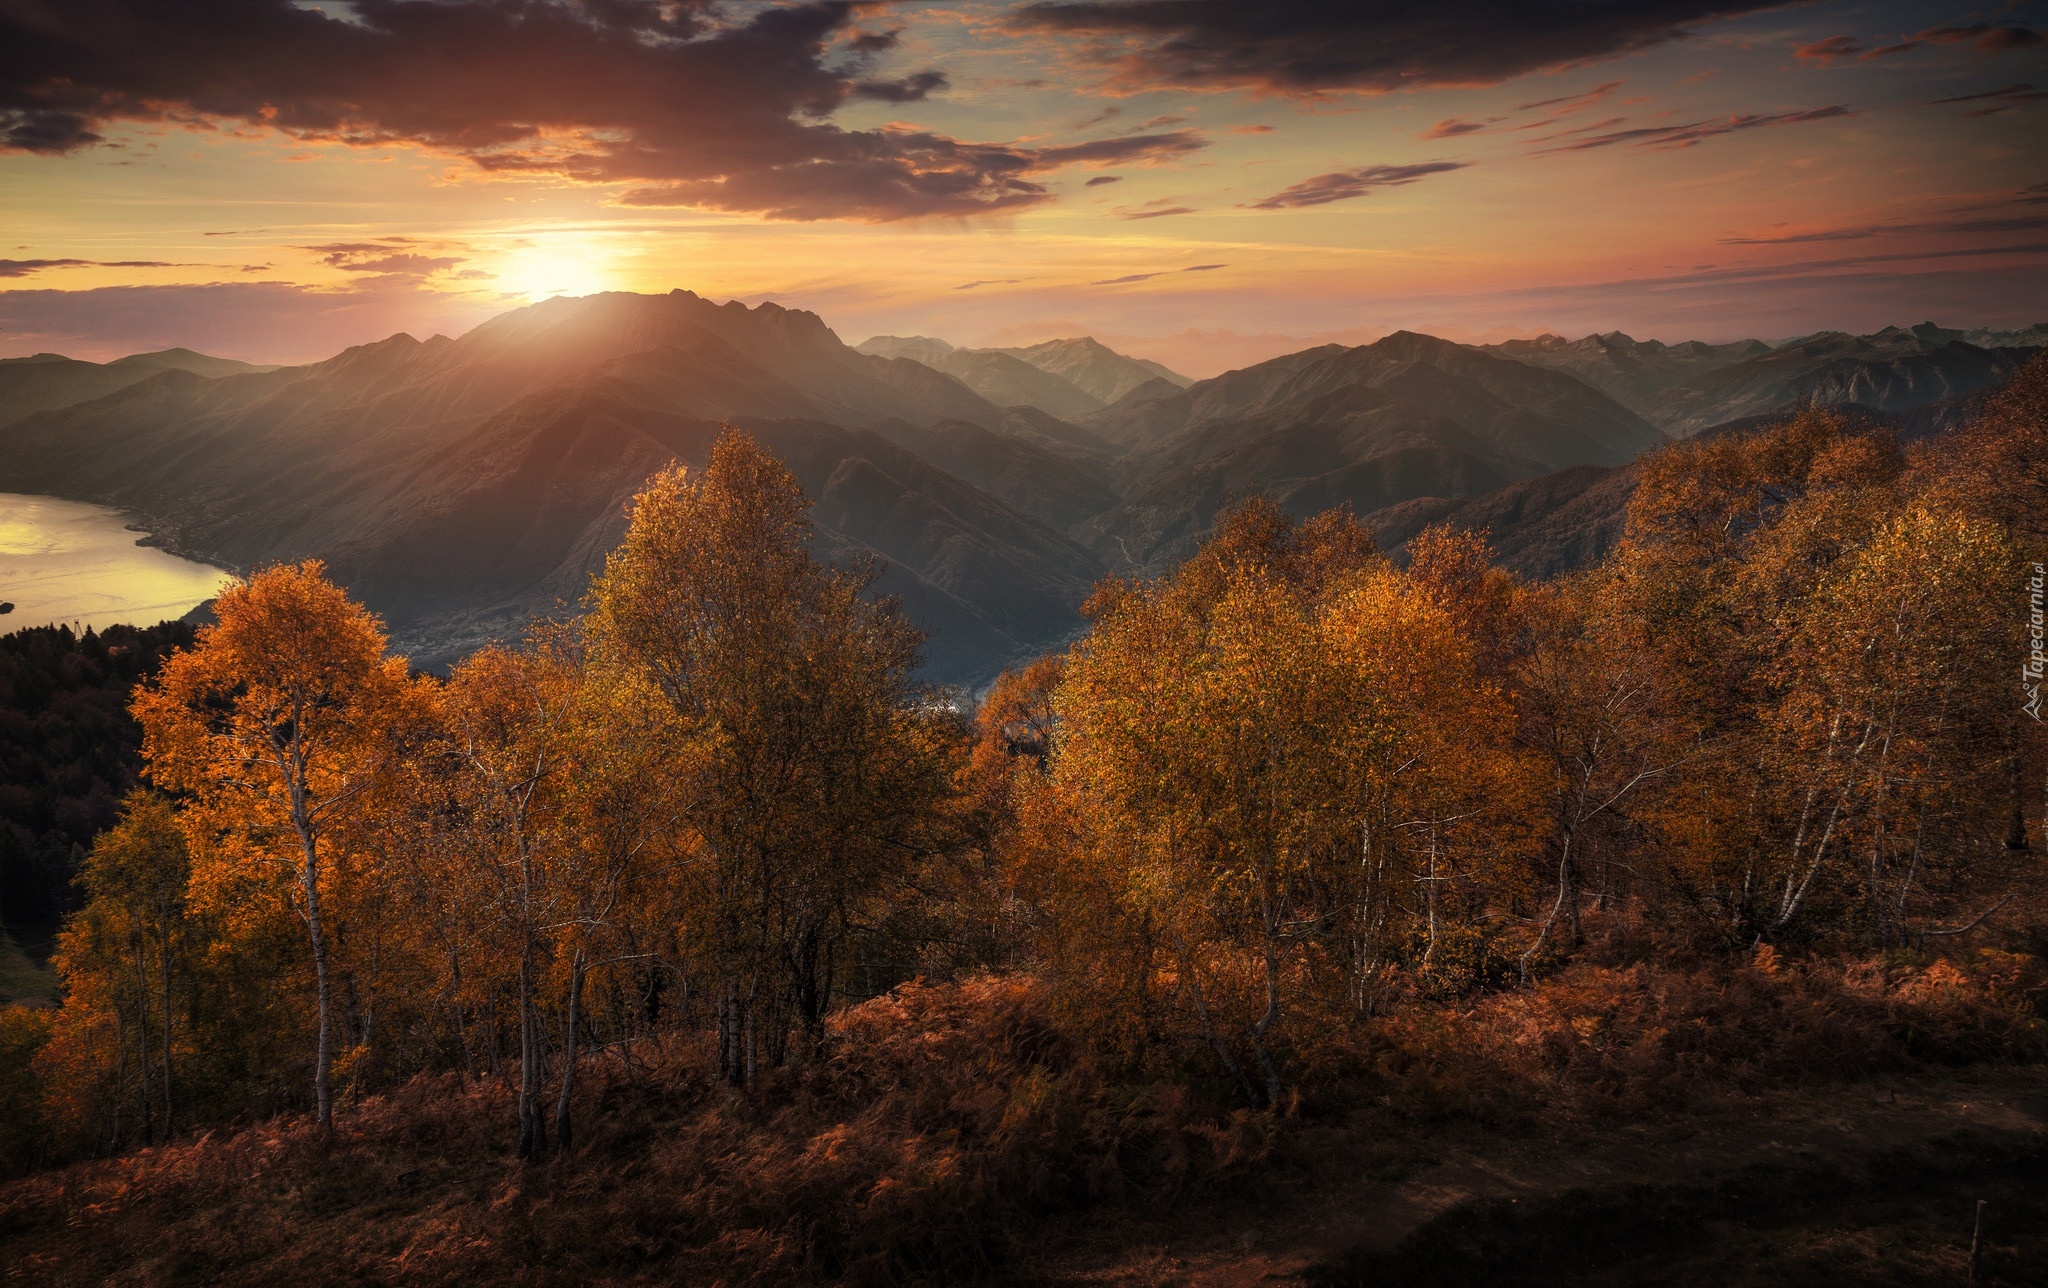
[51,380]
[1632,372]
[1409,416]
[1004,380]
[1684,388]
[462,486]
[1892,370]
[1095,367]
[1064,377]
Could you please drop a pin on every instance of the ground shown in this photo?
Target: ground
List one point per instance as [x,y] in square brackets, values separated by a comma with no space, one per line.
[1871,1183]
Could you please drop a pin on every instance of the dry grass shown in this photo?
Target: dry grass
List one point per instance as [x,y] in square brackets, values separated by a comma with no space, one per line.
[951,1128]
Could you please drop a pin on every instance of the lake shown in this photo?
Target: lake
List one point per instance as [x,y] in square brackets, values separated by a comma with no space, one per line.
[71,562]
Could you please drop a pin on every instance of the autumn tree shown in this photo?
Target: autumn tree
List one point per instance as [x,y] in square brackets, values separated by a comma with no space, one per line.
[273,728]
[1209,730]
[815,758]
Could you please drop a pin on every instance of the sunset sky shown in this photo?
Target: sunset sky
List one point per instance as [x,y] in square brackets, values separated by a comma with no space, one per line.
[1203,183]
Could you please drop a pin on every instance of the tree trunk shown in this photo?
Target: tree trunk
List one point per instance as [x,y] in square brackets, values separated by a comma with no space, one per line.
[323,1059]
[142,1036]
[533,1127]
[165,948]
[563,1131]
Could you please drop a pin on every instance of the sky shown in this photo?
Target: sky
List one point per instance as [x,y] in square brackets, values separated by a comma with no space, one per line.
[1201,182]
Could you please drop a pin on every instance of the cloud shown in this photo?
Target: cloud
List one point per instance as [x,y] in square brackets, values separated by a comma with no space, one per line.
[1452,127]
[997,281]
[1689,135]
[1831,50]
[1157,214]
[2018,224]
[1101,179]
[24,267]
[909,89]
[681,102]
[1982,36]
[1304,47]
[384,256]
[2001,99]
[254,321]
[1203,268]
[1119,281]
[1346,184]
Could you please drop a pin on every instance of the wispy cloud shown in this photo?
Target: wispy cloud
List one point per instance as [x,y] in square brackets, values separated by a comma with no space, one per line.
[1347,184]
[1696,132]
[24,267]
[2018,224]
[1998,100]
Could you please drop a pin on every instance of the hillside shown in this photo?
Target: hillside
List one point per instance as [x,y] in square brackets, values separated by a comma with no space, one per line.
[47,380]
[463,485]
[1407,417]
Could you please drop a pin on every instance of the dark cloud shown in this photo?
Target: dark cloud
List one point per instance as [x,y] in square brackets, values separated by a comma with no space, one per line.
[1311,46]
[1453,127]
[910,89]
[1999,100]
[994,281]
[1982,36]
[1831,50]
[1101,179]
[684,101]
[1157,214]
[24,267]
[1685,136]
[1120,281]
[874,42]
[1203,268]
[1346,184]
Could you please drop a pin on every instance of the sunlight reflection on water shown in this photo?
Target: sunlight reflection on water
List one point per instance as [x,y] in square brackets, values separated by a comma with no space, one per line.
[68,561]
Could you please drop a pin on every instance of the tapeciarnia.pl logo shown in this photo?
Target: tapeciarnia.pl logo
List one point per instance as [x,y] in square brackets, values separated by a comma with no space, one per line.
[2037,644]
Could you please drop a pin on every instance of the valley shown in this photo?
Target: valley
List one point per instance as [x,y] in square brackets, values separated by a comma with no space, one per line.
[464,487]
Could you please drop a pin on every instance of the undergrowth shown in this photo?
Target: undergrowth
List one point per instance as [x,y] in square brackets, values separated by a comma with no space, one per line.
[948,1126]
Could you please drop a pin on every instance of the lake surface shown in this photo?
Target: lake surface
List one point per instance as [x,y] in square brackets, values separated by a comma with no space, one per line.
[70,562]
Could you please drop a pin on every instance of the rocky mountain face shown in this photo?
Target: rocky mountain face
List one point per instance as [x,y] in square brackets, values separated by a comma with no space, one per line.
[1062,377]
[461,487]
[48,380]
[1685,388]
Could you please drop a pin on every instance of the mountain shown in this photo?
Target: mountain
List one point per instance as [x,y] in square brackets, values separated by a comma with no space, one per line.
[1064,377]
[49,380]
[1630,371]
[1094,367]
[1539,527]
[1892,370]
[1002,379]
[1369,427]
[458,486]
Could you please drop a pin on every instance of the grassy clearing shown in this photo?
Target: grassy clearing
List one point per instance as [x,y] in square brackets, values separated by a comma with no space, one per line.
[22,982]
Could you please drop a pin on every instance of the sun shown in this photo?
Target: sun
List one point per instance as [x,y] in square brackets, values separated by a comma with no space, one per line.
[542,272]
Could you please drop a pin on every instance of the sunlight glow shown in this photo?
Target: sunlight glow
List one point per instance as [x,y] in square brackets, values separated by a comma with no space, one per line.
[541,272]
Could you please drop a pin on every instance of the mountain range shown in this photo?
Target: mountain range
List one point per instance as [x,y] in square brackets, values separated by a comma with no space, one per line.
[461,487]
